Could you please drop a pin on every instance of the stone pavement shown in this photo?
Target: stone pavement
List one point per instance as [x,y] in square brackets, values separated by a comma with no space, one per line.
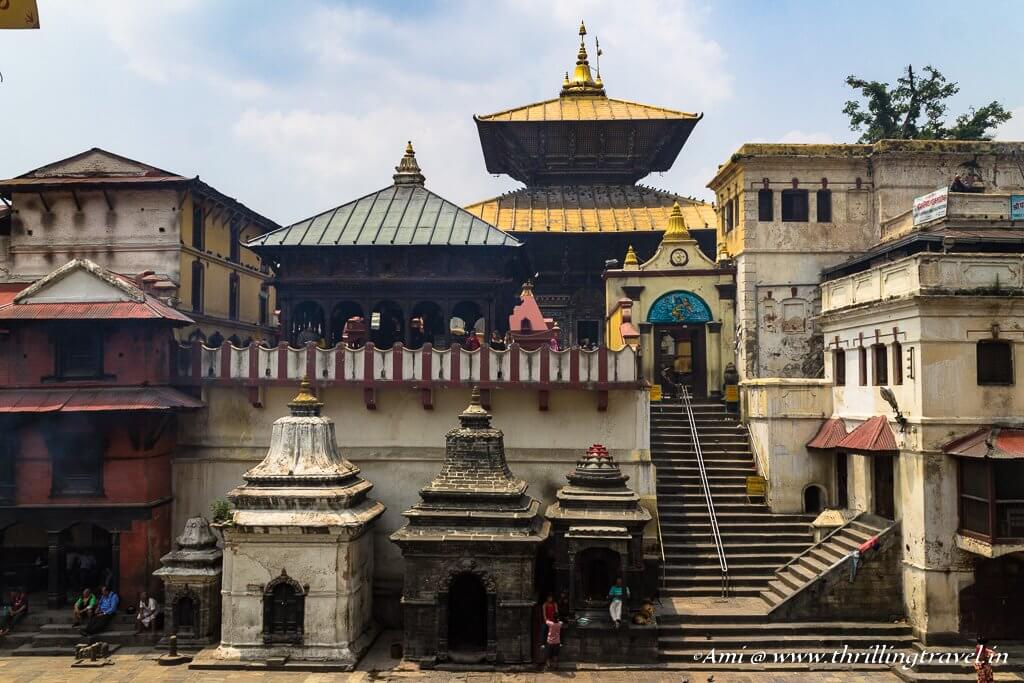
[139,668]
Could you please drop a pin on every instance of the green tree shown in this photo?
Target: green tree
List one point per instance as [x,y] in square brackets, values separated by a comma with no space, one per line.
[916,110]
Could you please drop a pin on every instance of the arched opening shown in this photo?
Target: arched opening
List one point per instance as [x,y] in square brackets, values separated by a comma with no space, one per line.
[306,323]
[814,499]
[284,608]
[471,316]
[390,327]
[426,325]
[467,614]
[342,312]
[599,567]
[185,616]
[88,557]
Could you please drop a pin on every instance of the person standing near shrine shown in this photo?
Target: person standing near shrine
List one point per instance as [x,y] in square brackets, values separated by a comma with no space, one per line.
[983,661]
[616,594]
[553,640]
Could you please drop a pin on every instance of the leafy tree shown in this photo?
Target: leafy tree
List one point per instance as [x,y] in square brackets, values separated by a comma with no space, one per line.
[916,110]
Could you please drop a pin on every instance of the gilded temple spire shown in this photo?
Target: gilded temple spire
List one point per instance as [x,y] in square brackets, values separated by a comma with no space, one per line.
[408,171]
[582,81]
[676,229]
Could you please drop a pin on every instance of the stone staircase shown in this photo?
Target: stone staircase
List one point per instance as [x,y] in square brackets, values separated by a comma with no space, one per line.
[49,633]
[827,556]
[756,541]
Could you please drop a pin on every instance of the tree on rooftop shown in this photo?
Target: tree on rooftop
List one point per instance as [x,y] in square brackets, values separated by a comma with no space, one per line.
[916,110]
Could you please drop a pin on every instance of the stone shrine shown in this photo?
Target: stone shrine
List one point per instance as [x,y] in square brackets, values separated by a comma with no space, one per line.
[597,525]
[192,578]
[298,558]
[469,547]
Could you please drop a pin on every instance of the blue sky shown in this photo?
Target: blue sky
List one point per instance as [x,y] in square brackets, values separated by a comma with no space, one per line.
[296,107]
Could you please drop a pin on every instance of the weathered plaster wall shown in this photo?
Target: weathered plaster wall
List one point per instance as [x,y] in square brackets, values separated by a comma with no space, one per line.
[782,415]
[399,447]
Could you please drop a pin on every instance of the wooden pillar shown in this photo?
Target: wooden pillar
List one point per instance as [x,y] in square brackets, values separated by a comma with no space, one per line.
[55,589]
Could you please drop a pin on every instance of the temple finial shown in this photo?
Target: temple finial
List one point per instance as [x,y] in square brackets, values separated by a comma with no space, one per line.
[527,290]
[408,170]
[631,259]
[676,225]
[305,402]
[582,81]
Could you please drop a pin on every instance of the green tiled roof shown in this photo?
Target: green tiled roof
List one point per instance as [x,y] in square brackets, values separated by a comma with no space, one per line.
[399,215]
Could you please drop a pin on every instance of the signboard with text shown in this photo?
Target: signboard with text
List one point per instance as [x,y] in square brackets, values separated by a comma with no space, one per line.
[1017,207]
[931,206]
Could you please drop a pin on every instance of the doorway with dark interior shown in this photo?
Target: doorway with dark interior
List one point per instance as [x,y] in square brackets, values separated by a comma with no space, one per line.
[883,488]
[842,481]
[467,615]
[679,353]
[599,567]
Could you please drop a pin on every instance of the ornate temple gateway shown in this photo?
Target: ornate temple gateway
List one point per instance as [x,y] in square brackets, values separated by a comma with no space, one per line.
[580,157]
[469,548]
[298,561]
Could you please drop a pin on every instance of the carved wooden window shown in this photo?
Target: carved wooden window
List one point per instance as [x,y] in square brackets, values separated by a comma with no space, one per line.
[76,454]
[824,206]
[284,609]
[727,217]
[862,365]
[795,206]
[79,352]
[234,285]
[995,362]
[839,367]
[197,286]
[198,233]
[765,205]
[992,498]
[897,363]
[879,365]
[235,237]
[264,305]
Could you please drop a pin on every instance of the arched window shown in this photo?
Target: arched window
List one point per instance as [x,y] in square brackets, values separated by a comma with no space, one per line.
[284,611]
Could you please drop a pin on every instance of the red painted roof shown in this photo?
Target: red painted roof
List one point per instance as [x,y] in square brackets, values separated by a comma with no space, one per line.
[151,309]
[830,434]
[94,399]
[873,436]
[989,442]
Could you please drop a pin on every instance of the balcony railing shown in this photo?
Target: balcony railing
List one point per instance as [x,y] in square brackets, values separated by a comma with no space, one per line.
[427,368]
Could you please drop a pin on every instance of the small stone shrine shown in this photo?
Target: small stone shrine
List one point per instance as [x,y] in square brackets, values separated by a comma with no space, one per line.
[597,525]
[191,576]
[298,555]
[469,548]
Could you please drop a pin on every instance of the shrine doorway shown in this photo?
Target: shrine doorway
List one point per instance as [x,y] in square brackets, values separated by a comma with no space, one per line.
[679,321]
[387,325]
[599,567]
[467,615]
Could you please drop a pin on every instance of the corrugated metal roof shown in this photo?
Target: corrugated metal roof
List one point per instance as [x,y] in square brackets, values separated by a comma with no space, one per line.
[590,208]
[989,442]
[152,309]
[586,108]
[830,434]
[399,215]
[98,399]
[871,437]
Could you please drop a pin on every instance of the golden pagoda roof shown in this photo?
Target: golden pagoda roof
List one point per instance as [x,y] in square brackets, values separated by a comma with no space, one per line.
[590,209]
[587,108]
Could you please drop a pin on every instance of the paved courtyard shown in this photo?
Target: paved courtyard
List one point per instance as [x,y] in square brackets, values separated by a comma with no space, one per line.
[143,668]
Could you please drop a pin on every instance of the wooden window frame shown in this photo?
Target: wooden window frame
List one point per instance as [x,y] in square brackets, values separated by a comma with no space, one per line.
[862,365]
[234,296]
[66,336]
[765,205]
[879,365]
[198,228]
[198,280]
[789,196]
[991,501]
[823,198]
[839,367]
[983,344]
[897,363]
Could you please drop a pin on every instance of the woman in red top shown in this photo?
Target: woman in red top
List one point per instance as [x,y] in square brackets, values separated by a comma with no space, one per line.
[983,661]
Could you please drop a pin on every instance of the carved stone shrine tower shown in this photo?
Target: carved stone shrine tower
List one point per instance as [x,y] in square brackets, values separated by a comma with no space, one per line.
[469,547]
[298,555]
[191,576]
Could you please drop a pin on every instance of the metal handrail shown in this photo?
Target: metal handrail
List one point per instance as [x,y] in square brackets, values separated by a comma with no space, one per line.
[723,564]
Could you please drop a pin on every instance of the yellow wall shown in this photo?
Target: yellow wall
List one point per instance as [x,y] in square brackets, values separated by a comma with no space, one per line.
[614,333]
[729,187]
[217,271]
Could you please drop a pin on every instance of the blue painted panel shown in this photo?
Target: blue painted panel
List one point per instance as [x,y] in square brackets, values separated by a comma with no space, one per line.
[679,307]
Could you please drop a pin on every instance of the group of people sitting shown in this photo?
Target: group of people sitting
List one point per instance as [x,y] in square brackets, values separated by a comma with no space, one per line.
[13,608]
[95,615]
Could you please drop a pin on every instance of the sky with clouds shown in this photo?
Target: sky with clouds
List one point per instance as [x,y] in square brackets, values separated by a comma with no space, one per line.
[295,107]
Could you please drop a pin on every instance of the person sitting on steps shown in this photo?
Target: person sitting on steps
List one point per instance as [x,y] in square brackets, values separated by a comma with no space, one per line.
[104,612]
[145,617]
[84,607]
[617,594]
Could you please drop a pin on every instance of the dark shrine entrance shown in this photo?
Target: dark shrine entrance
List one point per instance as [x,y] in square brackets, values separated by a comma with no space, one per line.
[680,354]
[842,481]
[467,614]
[599,567]
[882,473]
[992,605]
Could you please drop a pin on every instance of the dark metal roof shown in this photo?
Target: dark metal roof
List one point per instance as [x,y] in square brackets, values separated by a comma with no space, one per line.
[95,399]
[399,215]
